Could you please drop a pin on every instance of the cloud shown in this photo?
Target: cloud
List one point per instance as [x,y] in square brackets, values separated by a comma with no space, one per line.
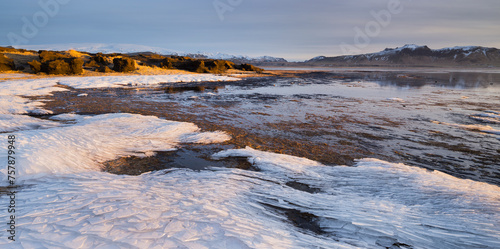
[288,28]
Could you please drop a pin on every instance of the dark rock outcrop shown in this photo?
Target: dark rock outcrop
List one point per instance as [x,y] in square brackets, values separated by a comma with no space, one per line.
[104,69]
[73,62]
[204,65]
[63,66]
[124,65]
[249,67]
[6,63]
[56,63]
[47,56]
[100,59]
[36,66]
[76,65]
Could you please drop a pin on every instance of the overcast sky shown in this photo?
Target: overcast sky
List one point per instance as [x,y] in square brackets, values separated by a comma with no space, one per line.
[293,29]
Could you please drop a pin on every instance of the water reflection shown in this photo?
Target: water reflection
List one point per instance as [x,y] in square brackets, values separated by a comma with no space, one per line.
[457,80]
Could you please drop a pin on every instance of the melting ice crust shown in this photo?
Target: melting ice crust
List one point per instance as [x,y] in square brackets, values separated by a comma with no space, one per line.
[65,201]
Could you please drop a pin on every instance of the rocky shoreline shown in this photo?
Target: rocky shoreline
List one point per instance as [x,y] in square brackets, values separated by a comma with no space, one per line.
[73,62]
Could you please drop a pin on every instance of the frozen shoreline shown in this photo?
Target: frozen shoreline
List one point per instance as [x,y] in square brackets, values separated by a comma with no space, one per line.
[375,204]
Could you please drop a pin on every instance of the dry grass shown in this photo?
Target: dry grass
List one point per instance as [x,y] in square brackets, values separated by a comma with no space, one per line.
[22,59]
[76,54]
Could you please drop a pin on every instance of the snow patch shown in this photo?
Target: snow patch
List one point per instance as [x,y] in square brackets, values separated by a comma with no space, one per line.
[19,105]
[138,80]
[39,87]
[11,123]
[96,139]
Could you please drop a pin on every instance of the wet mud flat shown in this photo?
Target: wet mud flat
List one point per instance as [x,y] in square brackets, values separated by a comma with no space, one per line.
[331,117]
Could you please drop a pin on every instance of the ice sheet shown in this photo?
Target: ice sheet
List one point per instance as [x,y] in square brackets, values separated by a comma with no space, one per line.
[373,205]
[96,139]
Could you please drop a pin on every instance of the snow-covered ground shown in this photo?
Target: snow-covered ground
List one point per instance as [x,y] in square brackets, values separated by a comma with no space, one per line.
[65,201]
[37,87]
[13,93]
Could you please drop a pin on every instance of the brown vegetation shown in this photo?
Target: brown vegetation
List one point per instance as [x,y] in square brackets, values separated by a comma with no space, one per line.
[204,65]
[56,63]
[123,65]
[6,64]
[248,67]
[73,62]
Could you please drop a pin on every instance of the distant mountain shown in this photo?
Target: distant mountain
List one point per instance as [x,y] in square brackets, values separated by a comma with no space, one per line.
[133,49]
[237,58]
[413,55]
[100,47]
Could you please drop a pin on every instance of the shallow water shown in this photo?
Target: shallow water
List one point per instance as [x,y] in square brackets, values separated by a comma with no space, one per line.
[420,120]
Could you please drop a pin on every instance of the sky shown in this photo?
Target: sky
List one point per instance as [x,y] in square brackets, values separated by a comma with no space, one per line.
[291,29]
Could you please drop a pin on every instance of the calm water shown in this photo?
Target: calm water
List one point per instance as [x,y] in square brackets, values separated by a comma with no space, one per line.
[443,121]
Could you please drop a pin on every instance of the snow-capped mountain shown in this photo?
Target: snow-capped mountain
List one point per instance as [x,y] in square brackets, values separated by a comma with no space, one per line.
[101,47]
[414,55]
[234,58]
[133,48]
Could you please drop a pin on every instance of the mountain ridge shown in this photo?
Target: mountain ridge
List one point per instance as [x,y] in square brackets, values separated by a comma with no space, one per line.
[414,55]
[409,55]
